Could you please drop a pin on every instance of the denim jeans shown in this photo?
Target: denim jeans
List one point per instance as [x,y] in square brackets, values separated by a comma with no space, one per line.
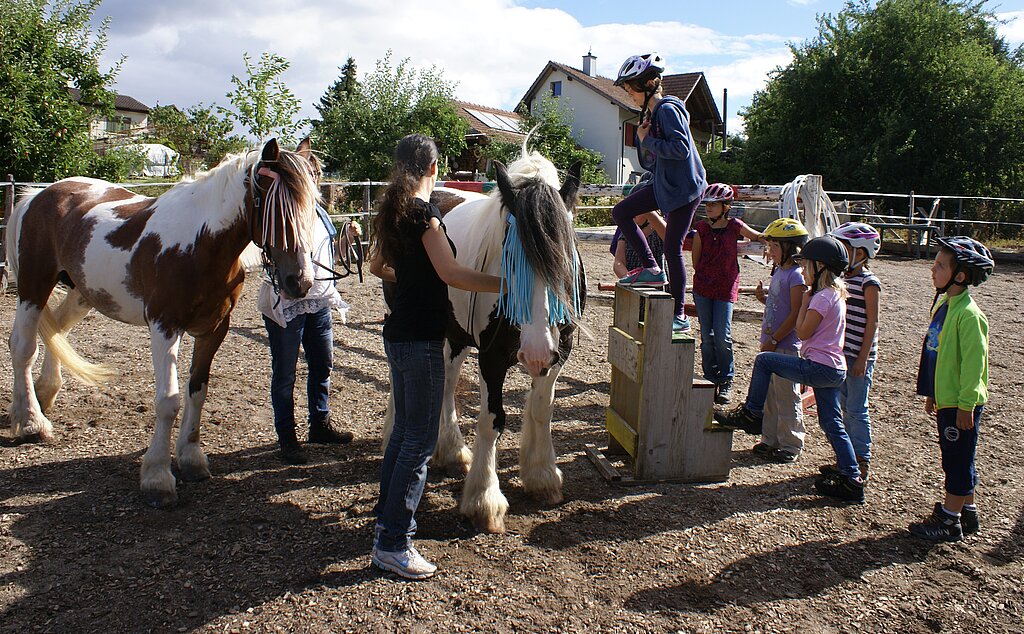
[716,357]
[853,398]
[417,382]
[315,333]
[825,381]
[783,425]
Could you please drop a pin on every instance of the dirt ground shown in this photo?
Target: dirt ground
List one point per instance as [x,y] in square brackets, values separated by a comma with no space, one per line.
[264,547]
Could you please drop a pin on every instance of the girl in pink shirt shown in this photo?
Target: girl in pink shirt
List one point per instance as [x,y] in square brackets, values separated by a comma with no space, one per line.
[821,365]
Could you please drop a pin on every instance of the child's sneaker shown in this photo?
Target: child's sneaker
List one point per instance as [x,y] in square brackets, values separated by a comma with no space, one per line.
[740,418]
[940,527]
[784,456]
[832,469]
[969,521]
[763,450]
[644,277]
[680,324]
[723,393]
[840,487]
[408,563]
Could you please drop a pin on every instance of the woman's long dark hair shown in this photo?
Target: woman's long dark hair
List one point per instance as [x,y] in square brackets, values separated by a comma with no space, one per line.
[414,156]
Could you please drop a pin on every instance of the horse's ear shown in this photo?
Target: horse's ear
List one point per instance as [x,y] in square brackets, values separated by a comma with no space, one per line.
[571,186]
[271,151]
[508,193]
[305,149]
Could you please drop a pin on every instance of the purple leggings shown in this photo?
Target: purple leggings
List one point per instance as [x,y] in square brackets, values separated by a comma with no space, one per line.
[677,226]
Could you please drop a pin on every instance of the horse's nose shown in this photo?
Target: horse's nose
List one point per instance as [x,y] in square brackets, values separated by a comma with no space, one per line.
[296,286]
[534,367]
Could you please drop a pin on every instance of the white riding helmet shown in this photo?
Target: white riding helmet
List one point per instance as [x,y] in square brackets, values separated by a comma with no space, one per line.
[640,67]
[859,234]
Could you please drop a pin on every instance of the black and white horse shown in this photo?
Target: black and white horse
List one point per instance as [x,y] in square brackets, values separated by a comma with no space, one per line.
[523,233]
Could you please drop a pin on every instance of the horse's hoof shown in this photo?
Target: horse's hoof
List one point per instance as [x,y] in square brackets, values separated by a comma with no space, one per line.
[456,469]
[196,473]
[160,499]
[546,496]
[39,437]
[490,525]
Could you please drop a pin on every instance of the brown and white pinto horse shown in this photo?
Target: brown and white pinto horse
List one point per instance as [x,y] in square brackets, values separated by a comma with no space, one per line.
[170,264]
[538,335]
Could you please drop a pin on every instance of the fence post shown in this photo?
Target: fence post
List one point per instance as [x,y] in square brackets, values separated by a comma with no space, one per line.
[5,213]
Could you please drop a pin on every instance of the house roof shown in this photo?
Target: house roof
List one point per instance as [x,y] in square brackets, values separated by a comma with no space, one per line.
[492,122]
[692,88]
[121,102]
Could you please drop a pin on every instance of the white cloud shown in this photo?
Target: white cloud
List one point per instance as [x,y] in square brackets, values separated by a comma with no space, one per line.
[186,52]
[1013,29]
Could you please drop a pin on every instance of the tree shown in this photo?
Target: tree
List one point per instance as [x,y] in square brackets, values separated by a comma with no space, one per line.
[728,167]
[553,138]
[197,134]
[343,88]
[905,94]
[263,105]
[358,133]
[47,46]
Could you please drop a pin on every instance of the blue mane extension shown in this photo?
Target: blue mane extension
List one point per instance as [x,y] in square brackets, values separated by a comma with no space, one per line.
[514,299]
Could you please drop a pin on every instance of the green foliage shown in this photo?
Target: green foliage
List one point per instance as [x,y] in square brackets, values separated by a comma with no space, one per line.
[728,168]
[343,88]
[553,138]
[360,125]
[197,134]
[905,94]
[119,163]
[263,105]
[44,47]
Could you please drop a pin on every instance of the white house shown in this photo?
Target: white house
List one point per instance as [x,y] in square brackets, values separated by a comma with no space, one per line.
[130,119]
[604,118]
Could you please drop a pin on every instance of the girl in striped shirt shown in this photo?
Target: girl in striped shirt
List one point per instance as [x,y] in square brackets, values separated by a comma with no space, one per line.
[862,242]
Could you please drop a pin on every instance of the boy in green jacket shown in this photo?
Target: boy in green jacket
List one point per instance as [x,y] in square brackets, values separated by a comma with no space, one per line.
[953,378]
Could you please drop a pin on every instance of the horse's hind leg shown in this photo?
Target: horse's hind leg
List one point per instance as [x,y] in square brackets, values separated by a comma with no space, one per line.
[452,453]
[27,419]
[192,462]
[157,481]
[71,311]
[542,479]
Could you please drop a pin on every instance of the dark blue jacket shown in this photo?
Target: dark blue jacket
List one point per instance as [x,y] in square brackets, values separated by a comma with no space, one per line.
[668,151]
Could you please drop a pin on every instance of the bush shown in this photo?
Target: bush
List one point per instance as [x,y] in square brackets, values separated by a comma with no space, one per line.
[119,164]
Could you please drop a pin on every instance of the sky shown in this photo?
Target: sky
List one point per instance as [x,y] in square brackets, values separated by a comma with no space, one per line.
[184,52]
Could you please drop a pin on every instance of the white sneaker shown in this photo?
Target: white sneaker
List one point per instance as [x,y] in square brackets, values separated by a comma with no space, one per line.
[408,563]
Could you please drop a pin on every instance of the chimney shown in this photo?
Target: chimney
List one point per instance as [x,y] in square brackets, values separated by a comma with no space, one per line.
[589,65]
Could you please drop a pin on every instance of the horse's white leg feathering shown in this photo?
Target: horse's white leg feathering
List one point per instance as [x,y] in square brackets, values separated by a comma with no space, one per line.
[482,499]
[542,479]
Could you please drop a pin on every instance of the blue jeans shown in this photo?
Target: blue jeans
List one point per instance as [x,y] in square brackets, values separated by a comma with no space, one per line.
[417,382]
[826,382]
[315,333]
[853,398]
[716,357]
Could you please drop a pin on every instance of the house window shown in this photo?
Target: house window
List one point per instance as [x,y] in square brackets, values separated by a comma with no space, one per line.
[556,89]
[629,132]
[118,124]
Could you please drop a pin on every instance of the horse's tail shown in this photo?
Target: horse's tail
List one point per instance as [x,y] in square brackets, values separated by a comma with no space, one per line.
[58,345]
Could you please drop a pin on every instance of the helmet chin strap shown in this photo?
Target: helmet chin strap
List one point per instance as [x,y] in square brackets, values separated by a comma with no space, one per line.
[853,267]
[647,99]
[952,282]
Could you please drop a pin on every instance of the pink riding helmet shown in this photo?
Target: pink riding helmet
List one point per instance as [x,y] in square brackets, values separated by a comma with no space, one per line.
[718,192]
[859,234]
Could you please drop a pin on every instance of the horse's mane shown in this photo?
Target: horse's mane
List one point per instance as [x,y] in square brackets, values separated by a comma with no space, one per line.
[228,181]
[544,226]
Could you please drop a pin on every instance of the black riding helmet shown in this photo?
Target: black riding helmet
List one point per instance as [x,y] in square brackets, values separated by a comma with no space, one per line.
[828,251]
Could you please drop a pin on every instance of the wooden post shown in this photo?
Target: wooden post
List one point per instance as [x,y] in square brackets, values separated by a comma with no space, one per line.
[5,213]
[658,413]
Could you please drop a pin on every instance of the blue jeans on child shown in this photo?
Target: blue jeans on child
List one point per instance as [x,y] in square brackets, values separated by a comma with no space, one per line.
[315,333]
[826,382]
[853,398]
[716,358]
[417,382]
